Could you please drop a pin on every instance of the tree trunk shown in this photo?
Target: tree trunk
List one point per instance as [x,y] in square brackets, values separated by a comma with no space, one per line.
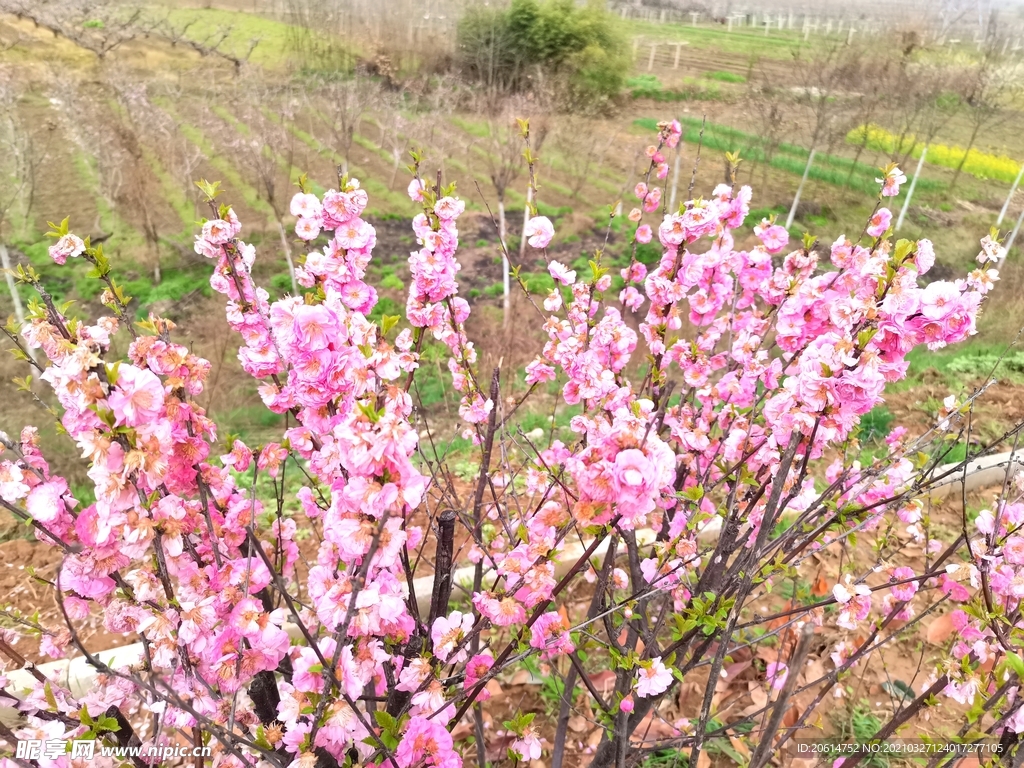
[970,145]
[288,256]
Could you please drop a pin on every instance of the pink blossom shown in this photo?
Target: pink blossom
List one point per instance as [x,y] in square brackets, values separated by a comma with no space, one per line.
[68,246]
[643,234]
[777,673]
[305,206]
[448,632]
[307,228]
[45,502]
[137,397]
[774,236]
[539,231]
[428,741]
[894,177]
[1013,550]
[528,745]
[879,222]
[561,273]
[449,208]
[653,678]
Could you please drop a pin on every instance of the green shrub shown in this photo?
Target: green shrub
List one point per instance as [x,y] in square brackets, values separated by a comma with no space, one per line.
[876,423]
[579,49]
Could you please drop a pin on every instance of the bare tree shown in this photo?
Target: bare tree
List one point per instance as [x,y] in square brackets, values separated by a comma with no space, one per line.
[826,80]
[341,105]
[582,148]
[96,26]
[767,103]
[19,163]
[192,34]
[990,88]
[502,154]
[267,148]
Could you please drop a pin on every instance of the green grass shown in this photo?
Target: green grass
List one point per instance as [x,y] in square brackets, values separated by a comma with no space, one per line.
[828,168]
[175,284]
[725,77]
[742,43]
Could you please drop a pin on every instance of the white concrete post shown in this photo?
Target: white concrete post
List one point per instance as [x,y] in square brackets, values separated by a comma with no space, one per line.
[1009,197]
[910,191]
[799,190]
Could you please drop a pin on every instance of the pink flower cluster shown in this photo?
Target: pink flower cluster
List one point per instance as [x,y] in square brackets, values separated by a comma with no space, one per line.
[746,358]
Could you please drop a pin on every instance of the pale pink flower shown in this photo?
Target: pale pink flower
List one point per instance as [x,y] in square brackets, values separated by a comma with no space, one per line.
[644,234]
[447,633]
[449,208]
[892,181]
[307,228]
[653,678]
[45,502]
[539,231]
[562,273]
[777,673]
[528,745]
[69,246]
[305,206]
[1013,550]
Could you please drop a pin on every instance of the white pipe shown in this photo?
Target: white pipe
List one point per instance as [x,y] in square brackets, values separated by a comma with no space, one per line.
[78,676]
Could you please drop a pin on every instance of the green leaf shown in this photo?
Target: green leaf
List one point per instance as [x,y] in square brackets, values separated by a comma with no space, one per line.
[388,322]
[385,721]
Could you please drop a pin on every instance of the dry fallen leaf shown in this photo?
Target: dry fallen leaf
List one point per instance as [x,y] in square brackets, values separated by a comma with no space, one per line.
[814,669]
[740,747]
[603,681]
[577,723]
[523,677]
[494,688]
[820,587]
[939,629]
[704,761]
[595,737]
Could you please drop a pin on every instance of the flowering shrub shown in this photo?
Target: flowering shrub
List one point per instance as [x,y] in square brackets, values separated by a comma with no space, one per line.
[721,391]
